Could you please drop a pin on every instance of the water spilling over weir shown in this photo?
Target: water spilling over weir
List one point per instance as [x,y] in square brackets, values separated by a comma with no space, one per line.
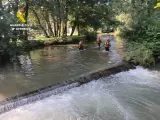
[36,95]
[131,95]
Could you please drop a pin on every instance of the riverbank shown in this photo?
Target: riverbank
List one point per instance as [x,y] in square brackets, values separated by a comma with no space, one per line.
[42,42]
[33,44]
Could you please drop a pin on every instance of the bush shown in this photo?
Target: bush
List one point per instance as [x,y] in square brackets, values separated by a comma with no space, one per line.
[86,37]
[42,38]
[139,53]
[75,39]
[90,36]
[36,43]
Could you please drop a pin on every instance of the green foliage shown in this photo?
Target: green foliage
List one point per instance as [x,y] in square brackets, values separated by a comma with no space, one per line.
[87,37]
[137,21]
[10,40]
[139,53]
[140,26]
[90,36]
[36,43]
[75,39]
[5,33]
[43,38]
[70,39]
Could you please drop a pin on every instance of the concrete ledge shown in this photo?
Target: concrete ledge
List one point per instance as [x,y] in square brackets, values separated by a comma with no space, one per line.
[30,97]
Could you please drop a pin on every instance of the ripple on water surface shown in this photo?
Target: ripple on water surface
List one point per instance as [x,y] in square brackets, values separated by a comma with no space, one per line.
[132,95]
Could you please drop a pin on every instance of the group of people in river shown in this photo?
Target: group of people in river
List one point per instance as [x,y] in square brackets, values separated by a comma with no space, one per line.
[107,44]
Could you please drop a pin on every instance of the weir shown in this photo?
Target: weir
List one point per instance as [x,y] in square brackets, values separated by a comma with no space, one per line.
[128,95]
[30,97]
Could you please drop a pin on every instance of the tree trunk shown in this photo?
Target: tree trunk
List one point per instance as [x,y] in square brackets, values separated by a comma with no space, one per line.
[66,18]
[59,17]
[65,29]
[39,22]
[1,4]
[48,22]
[55,28]
[74,25]
[60,27]
[73,29]
[78,29]
[26,10]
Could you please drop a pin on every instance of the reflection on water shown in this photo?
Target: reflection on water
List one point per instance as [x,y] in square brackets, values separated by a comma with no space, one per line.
[132,95]
[26,65]
[50,65]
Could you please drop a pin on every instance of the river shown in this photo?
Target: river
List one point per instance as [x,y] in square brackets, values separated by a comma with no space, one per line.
[131,95]
[52,65]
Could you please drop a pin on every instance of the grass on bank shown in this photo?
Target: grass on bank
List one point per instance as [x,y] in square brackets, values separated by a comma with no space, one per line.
[43,38]
[88,37]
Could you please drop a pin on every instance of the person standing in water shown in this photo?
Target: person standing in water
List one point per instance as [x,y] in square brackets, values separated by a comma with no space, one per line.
[99,40]
[80,45]
[107,45]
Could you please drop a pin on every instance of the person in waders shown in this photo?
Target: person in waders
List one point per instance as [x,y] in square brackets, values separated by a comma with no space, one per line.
[80,45]
[107,45]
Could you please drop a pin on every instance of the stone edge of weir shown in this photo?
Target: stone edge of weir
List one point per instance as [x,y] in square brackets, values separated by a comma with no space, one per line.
[36,95]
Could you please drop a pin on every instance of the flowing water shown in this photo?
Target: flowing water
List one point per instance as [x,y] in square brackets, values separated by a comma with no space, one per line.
[48,66]
[131,95]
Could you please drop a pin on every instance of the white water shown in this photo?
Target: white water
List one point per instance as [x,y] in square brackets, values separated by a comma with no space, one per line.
[132,95]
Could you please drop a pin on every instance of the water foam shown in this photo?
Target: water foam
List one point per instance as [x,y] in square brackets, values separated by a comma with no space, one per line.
[124,96]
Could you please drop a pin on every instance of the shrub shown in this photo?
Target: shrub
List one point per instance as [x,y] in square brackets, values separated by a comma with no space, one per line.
[75,39]
[90,36]
[139,53]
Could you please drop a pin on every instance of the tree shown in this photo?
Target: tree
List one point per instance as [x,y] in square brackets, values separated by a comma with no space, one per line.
[140,27]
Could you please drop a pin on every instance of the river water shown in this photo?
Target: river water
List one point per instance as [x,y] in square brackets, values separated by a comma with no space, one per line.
[131,95]
[48,66]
